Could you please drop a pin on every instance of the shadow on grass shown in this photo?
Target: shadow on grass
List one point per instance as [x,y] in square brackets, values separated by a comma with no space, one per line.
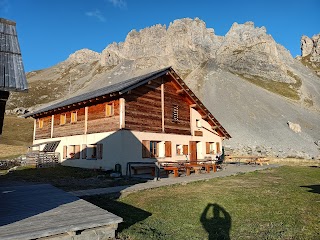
[217,223]
[129,214]
[313,188]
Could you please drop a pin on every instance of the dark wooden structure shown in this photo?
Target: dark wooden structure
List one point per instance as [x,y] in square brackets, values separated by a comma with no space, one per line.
[12,75]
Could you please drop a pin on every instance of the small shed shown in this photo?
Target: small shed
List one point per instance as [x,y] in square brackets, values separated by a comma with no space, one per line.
[12,75]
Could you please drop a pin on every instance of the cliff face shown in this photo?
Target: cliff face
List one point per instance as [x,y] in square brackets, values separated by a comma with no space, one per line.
[248,81]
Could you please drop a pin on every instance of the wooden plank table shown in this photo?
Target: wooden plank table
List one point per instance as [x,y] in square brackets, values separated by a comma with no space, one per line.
[250,159]
[35,211]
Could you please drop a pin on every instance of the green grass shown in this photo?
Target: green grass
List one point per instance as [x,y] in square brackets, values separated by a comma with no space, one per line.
[312,65]
[66,178]
[288,90]
[16,136]
[270,204]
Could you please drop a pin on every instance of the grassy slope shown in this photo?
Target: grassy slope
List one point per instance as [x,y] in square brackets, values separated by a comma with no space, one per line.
[16,136]
[262,205]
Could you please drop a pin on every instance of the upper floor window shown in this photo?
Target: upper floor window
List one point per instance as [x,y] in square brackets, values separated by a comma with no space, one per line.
[73,117]
[175,113]
[40,123]
[63,119]
[109,109]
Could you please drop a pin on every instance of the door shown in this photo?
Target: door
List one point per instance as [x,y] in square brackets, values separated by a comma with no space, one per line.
[193,151]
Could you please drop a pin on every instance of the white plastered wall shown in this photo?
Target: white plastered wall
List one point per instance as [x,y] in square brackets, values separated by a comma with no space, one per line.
[126,146]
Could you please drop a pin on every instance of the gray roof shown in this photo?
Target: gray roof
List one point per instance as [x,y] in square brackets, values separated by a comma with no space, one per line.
[120,88]
[12,75]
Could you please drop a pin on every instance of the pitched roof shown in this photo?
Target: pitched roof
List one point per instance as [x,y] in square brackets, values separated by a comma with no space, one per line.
[125,86]
[12,75]
[120,87]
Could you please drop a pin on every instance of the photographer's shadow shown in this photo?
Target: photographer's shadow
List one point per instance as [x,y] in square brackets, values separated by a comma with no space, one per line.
[218,224]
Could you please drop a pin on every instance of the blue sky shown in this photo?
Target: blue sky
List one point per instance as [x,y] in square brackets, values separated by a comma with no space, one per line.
[50,30]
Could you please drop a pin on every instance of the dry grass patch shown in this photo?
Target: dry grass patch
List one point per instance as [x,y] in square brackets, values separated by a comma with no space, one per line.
[16,136]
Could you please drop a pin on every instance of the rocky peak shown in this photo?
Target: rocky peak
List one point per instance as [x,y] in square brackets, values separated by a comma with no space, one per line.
[84,56]
[184,38]
[310,52]
[311,46]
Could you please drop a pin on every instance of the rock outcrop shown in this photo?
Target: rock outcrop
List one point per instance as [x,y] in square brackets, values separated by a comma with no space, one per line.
[310,52]
[84,56]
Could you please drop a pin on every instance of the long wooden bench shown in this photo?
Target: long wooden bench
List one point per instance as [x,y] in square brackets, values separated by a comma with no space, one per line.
[137,169]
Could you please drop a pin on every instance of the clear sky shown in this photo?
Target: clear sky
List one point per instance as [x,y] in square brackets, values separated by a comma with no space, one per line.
[50,30]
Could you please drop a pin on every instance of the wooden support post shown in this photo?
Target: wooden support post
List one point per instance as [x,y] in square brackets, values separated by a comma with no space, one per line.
[85,120]
[52,122]
[122,113]
[162,105]
[34,129]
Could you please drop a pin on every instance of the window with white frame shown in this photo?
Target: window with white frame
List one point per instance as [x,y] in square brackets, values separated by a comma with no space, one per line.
[179,149]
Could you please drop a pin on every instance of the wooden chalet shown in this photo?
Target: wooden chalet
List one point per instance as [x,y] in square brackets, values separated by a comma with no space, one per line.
[12,75]
[143,119]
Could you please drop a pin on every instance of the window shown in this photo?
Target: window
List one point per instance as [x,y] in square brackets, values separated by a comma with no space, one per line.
[73,117]
[175,113]
[94,151]
[40,123]
[154,149]
[109,109]
[150,149]
[210,147]
[72,151]
[179,149]
[198,123]
[63,119]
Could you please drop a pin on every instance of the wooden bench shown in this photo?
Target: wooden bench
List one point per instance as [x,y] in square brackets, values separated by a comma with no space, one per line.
[174,169]
[136,169]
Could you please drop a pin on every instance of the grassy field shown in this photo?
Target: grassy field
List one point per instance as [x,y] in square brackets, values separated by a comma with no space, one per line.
[281,203]
[66,178]
[16,136]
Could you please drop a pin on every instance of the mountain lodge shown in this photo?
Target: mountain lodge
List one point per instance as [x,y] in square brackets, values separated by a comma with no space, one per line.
[143,119]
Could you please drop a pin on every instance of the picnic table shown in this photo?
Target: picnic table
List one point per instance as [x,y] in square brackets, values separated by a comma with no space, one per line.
[250,159]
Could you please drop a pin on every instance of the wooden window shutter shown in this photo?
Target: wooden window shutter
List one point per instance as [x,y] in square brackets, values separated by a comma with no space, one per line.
[65,152]
[218,147]
[168,148]
[77,151]
[207,148]
[185,149]
[99,150]
[145,148]
[84,151]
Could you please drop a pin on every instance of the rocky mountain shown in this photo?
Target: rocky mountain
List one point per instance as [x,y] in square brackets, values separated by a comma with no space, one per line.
[254,87]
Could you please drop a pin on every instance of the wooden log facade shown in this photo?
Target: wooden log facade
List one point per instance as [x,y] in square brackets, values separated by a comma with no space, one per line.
[144,112]
[97,121]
